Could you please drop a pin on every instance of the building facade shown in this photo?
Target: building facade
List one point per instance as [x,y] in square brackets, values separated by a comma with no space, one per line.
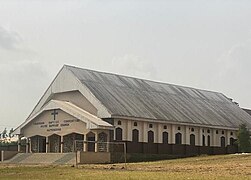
[82,109]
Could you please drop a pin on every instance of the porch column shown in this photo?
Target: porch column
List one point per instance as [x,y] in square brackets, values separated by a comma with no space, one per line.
[96,140]
[61,144]
[47,144]
[27,146]
[19,143]
[85,143]
[108,140]
[29,140]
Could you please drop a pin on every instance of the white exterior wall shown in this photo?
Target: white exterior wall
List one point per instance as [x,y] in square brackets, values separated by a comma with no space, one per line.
[158,128]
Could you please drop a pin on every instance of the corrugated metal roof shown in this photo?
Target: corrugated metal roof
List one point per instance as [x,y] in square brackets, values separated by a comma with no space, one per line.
[247,111]
[133,97]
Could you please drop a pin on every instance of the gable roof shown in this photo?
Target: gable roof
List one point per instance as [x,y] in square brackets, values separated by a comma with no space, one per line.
[92,122]
[132,97]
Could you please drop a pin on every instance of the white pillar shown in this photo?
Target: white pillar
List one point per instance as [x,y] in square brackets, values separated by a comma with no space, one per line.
[159,133]
[29,140]
[96,140]
[129,131]
[227,137]
[62,144]
[172,134]
[200,136]
[85,143]
[27,145]
[47,144]
[144,132]
[19,144]
[187,135]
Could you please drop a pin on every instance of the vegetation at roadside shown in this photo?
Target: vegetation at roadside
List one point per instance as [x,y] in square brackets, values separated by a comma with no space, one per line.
[244,141]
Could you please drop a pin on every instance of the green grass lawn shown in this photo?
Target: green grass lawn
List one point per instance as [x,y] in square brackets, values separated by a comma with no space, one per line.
[207,167]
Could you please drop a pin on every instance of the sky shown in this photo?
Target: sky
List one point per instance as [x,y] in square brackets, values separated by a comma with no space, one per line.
[204,44]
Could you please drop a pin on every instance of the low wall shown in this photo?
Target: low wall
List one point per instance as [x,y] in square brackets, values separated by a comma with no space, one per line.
[94,158]
[8,148]
[175,149]
[5,155]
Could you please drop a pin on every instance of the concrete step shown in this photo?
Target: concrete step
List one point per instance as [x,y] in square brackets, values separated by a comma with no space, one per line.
[18,158]
[43,158]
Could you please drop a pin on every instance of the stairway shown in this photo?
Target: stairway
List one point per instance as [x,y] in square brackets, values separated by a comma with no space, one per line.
[43,158]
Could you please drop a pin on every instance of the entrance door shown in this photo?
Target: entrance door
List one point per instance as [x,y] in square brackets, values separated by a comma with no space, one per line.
[38,144]
[90,145]
[54,143]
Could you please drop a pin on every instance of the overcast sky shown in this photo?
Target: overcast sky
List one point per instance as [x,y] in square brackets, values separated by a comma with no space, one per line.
[198,43]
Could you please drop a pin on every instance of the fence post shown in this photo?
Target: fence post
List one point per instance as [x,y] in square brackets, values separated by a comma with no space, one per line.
[2,156]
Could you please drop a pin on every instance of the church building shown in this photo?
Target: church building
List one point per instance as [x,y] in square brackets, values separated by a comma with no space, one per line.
[150,117]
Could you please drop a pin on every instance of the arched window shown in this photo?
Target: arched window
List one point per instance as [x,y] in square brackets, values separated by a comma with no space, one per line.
[135,135]
[135,124]
[208,140]
[178,138]
[165,138]
[119,122]
[222,141]
[203,140]
[118,133]
[192,139]
[232,141]
[150,137]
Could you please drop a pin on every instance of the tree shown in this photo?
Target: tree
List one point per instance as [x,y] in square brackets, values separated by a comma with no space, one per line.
[244,141]
[10,133]
[4,133]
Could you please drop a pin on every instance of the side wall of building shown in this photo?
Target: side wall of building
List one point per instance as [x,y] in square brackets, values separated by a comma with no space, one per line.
[174,139]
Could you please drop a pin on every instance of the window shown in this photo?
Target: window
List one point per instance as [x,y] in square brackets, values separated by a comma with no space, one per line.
[119,122]
[135,135]
[178,128]
[165,137]
[208,140]
[192,129]
[203,140]
[178,138]
[165,127]
[222,132]
[217,132]
[222,140]
[203,130]
[208,131]
[150,125]
[150,137]
[135,124]
[231,133]
[232,141]
[118,133]
[192,140]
